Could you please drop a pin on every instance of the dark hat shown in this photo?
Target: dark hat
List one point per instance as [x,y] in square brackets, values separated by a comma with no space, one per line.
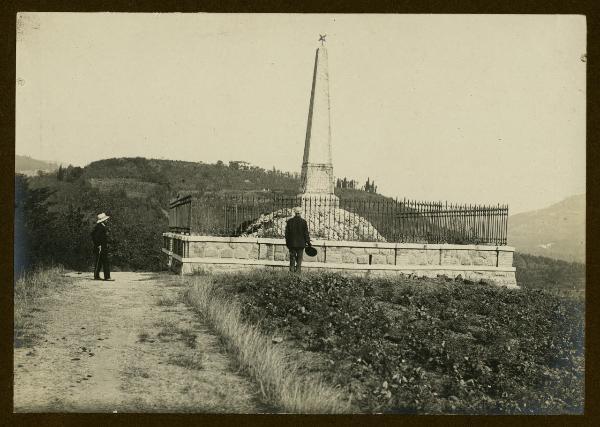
[310,251]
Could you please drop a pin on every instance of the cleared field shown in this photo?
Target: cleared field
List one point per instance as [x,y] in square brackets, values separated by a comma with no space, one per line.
[420,345]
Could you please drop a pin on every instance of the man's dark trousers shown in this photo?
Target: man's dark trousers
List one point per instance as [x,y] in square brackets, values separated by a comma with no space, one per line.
[101,262]
[296,259]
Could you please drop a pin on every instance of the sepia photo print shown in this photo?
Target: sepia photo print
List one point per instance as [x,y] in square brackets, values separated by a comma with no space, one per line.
[299,213]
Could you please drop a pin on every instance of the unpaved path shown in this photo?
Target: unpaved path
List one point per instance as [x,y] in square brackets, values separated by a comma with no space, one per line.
[130,345]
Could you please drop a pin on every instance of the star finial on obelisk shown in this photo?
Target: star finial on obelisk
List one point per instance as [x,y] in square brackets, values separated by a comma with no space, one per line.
[322,39]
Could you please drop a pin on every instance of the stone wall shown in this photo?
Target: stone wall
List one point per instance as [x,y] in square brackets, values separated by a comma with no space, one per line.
[501,278]
[186,254]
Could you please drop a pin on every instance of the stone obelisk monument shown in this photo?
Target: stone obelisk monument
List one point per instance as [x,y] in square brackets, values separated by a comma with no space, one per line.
[317,180]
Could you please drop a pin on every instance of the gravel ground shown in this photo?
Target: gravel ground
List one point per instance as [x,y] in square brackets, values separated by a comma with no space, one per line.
[130,345]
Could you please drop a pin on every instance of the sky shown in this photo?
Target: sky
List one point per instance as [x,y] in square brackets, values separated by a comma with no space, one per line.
[465,108]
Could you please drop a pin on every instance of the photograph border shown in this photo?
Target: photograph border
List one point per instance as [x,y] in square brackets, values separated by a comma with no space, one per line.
[7,153]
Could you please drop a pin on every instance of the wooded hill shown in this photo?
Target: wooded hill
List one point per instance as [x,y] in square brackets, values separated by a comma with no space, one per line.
[56,211]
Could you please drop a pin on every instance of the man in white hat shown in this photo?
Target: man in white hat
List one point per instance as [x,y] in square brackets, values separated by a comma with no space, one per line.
[101,248]
[296,239]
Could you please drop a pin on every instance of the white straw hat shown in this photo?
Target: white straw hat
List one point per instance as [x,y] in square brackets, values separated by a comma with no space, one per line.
[102,217]
[297,210]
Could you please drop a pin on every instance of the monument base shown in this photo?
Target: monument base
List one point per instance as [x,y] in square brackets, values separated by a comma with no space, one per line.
[313,201]
[187,254]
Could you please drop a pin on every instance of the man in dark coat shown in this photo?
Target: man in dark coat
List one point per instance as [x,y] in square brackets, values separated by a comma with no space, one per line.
[296,239]
[101,248]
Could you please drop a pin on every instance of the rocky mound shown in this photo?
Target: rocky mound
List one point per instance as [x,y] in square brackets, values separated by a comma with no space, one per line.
[328,224]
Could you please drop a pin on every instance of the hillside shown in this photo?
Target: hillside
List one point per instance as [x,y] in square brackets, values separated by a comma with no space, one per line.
[189,177]
[537,272]
[557,231]
[55,211]
[29,166]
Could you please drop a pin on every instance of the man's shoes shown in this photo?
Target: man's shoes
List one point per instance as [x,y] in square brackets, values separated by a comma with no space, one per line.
[97,278]
[109,280]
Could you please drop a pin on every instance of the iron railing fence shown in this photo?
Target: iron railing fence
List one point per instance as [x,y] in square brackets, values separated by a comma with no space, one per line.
[180,214]
[368,219]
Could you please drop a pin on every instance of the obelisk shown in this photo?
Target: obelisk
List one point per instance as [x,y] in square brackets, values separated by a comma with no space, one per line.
[317,180]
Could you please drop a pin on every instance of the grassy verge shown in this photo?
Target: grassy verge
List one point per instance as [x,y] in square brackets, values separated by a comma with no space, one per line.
[267,364]
[30,290]
[426,345]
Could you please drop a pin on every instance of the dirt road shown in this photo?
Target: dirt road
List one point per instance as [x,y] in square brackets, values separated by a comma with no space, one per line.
[130,345]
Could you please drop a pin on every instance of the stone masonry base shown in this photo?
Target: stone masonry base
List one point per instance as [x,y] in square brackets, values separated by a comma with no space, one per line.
[185,254]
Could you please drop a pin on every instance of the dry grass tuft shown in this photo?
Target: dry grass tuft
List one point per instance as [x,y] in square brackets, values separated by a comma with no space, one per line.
[171,330]
[167,324]
[29,290]
[176,282]
[280,383]
[143,337]
[188,337]
[135,372]
[167,301]
[194,361]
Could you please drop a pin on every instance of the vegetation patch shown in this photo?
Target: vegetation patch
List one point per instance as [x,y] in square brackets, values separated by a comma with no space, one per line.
[538,272]
[167,301]
[194,361]
[30,291]
[426,345]
[172,331]
[144,337]
[269,366]
[135,372]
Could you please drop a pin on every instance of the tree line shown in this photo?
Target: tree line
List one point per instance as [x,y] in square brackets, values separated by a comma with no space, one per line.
[345,183]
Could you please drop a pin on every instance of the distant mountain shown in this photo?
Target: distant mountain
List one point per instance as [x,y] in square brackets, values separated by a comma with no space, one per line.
[557,231]
[29,166]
